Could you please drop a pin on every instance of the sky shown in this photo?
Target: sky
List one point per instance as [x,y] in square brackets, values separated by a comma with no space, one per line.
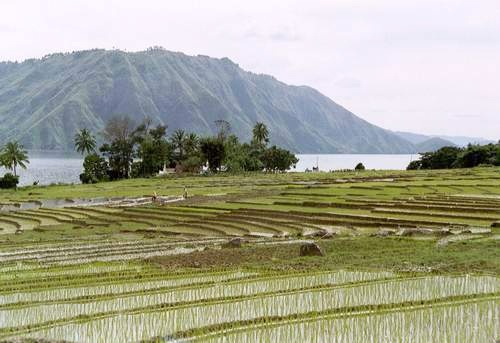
[426,66]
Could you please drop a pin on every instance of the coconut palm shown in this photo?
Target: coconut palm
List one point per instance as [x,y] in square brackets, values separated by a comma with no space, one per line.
[260,134]
[191,143]
[85,142]
[178,140]
[13,155]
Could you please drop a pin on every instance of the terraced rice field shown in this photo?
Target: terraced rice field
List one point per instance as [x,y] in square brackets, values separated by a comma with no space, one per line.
[408,256]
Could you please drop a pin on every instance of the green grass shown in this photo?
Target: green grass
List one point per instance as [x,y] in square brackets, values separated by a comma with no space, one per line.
[61,255]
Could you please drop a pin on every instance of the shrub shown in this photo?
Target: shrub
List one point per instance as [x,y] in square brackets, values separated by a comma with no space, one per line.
[95,169]
[414,165]
[213,150]
[278,160]
[192,164]
[9,181]
[359,166]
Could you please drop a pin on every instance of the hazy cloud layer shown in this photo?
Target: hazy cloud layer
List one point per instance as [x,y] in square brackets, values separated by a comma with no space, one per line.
[430,66]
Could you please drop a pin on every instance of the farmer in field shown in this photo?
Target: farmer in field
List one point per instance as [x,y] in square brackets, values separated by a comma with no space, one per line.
[185,194]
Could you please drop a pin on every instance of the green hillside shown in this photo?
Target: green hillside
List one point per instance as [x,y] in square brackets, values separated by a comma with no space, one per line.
[44,101]
[433,144]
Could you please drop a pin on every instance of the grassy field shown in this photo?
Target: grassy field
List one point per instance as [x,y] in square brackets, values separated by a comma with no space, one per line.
[401,250]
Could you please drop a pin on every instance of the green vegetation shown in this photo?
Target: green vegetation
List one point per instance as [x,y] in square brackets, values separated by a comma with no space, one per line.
[12,156]
[85,142]
[402,249]
[359,166]
[9,181]
[184,152]
[454,157]
[44,104]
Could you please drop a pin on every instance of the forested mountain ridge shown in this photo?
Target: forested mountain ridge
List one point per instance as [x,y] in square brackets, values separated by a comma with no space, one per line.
[44,101]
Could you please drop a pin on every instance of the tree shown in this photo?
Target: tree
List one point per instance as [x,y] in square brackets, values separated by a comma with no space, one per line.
[452,157]
[85,142]
[278,160]
[191,144]
[440,159]
[119,128]
[95,169]
[178,141]
[260,134]
[121,138]
[223,129]
[414,165]
[213,151]
[241,157]
[475,155]
[153,149]
[13,155]
[9,181]
[359,166]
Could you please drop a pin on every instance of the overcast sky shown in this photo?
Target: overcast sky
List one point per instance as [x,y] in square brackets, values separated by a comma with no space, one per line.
[427,66]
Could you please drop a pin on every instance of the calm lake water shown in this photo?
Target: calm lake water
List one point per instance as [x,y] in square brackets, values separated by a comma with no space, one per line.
[47,168]
[348,161]
[50,167]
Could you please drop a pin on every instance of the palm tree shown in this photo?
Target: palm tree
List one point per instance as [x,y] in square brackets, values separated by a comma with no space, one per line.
[191,143]
[260,134]
[13,155]
[84,142]
[178,140]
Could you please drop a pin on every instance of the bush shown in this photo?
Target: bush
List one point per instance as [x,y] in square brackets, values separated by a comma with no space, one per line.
[95,169]
[87,178]
[213,150]
[9,181]
[278,160]
[414,165]
[359,166]
[453,157]
[192,164]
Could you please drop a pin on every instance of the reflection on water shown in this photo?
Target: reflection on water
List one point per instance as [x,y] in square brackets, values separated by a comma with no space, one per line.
[50,167]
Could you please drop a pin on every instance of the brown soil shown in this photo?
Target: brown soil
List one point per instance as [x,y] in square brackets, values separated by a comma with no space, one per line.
[247,255]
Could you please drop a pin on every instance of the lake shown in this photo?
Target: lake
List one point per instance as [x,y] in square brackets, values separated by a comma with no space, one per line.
[51,167]
[349,161]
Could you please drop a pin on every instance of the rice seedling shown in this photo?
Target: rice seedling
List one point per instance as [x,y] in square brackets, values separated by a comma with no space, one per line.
[84,273]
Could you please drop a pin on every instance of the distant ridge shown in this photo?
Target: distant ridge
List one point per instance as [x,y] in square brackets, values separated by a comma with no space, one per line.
[44,101]
[433,144]
[462,141]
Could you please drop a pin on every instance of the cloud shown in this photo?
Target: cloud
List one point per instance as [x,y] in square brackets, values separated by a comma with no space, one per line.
[6,28]
[275,35]
[418,63]
[467,116]
[348,82]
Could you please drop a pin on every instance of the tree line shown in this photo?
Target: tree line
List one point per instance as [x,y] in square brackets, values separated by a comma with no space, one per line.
[454,157]
[12,156]
[143,150]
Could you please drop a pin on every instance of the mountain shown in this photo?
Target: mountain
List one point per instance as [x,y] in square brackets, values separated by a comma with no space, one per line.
[462,141]
[433,144]
[414,138]
[44,101]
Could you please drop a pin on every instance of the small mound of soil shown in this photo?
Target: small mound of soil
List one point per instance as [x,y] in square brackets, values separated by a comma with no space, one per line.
[234,243]
[311,249]
[246,255]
